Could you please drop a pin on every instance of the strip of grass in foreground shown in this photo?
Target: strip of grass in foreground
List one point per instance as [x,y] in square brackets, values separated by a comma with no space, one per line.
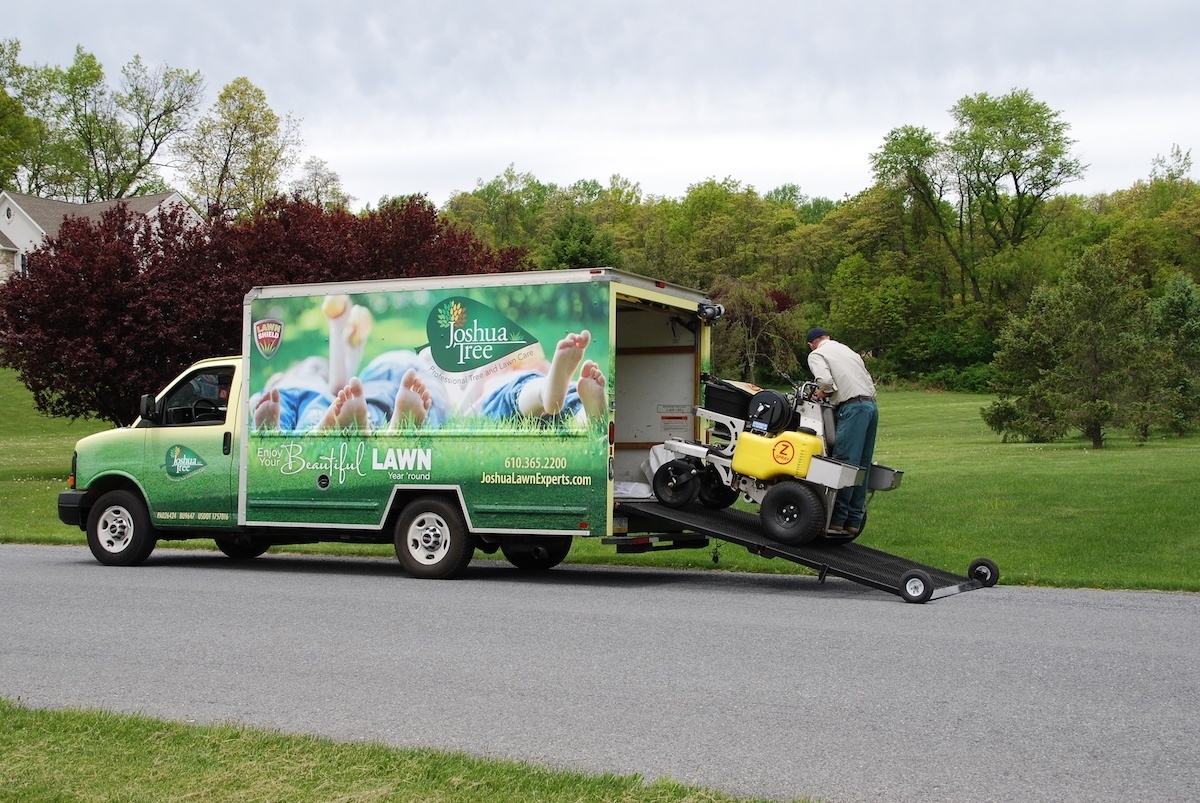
[99,756]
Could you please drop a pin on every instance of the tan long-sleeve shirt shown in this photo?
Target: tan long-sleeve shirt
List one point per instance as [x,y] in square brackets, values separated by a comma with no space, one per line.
[840,371]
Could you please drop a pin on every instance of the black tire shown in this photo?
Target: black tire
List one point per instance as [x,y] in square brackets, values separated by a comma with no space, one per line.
[916,586]
[432,540]
[545,554]
[119,532]
[792,513]
[713,492]
[675,483]
[985,571]
[242,548]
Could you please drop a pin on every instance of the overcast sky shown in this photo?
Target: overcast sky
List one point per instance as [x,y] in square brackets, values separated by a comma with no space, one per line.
[401,97]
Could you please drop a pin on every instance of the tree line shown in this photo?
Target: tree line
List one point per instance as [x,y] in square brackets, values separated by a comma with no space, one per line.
[967,265]
[66,133]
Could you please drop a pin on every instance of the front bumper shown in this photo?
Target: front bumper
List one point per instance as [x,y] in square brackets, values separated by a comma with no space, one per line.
[70,508]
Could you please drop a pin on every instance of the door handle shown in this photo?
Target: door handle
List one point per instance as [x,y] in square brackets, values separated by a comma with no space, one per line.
[227,443]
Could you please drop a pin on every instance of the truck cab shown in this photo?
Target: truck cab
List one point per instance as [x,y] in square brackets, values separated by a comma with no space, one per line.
[170,472]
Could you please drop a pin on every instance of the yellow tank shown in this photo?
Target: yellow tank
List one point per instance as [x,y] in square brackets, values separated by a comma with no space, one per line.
[788,454]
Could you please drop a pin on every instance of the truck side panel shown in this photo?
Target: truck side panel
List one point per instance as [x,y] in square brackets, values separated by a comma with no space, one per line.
[357,397]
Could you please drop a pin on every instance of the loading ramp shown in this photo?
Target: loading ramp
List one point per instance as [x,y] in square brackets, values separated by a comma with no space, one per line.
[689,527]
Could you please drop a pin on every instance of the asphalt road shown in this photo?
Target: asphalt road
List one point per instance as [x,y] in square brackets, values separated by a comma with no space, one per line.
[759,685]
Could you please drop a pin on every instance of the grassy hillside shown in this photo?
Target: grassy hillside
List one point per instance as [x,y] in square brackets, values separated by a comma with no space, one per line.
[1049,514]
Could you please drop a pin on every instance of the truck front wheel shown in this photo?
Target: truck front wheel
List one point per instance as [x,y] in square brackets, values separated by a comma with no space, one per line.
[119,532]
[432,540]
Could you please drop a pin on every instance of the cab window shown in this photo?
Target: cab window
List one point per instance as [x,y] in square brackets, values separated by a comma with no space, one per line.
[201,398]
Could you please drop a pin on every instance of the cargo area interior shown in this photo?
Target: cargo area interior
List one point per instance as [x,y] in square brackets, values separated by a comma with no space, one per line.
[658,370]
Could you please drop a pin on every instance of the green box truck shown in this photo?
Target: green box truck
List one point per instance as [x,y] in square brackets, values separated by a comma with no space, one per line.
[444,415]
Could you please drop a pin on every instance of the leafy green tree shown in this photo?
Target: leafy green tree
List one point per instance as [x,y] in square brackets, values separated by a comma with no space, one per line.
[575,242]
[236,156]
[17,134]
[985,187]
[89,142]
[509,210]
[1082,356]
[1175,326]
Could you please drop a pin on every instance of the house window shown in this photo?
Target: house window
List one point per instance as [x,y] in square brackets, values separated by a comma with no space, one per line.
[8,212]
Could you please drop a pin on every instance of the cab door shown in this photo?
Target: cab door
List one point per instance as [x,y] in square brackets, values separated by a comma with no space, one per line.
[190,459]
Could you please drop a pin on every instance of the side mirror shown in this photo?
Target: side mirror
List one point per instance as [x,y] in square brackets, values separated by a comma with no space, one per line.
[147,409]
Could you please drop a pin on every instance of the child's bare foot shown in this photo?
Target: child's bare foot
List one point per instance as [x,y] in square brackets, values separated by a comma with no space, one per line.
[266,410]
[567,357]
[412,401]
[592,390]
[349,409]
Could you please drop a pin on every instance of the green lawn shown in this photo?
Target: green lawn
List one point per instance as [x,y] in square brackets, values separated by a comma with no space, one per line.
[97,756]
[1058,514]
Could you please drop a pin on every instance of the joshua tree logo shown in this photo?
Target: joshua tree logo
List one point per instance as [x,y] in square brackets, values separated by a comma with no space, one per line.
[465,334]
[182,462]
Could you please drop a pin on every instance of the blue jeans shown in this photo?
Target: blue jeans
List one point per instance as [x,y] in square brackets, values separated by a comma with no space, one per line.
[857,422]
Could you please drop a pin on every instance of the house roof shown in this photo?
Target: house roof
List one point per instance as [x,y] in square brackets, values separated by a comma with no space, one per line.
[7,244]
[49,214]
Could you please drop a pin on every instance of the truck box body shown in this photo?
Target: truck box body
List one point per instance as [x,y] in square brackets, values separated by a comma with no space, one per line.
[260,444]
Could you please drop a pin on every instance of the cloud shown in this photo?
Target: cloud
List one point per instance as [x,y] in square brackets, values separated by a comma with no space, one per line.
[403,97]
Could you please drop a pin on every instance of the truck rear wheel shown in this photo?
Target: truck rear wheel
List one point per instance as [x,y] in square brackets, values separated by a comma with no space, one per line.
[432,540]
[792,513]
[545,554]
[119,532]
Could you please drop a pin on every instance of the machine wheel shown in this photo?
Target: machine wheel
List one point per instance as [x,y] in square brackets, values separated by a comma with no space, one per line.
[242,548]
[119,532]
[713,492]
[792,513]
[985,571]
[432,540]
[545,554]
[916,586]
[675,483]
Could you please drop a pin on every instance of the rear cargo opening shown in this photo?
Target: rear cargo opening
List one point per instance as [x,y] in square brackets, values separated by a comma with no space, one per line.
[658,364]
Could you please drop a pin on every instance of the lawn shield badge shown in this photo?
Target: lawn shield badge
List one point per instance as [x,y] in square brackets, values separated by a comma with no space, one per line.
[268,334]
[182,462]
[465,335]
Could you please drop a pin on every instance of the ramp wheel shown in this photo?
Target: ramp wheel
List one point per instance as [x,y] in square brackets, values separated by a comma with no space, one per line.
[675,483]
[916,586]
[985,571]
[792,513]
